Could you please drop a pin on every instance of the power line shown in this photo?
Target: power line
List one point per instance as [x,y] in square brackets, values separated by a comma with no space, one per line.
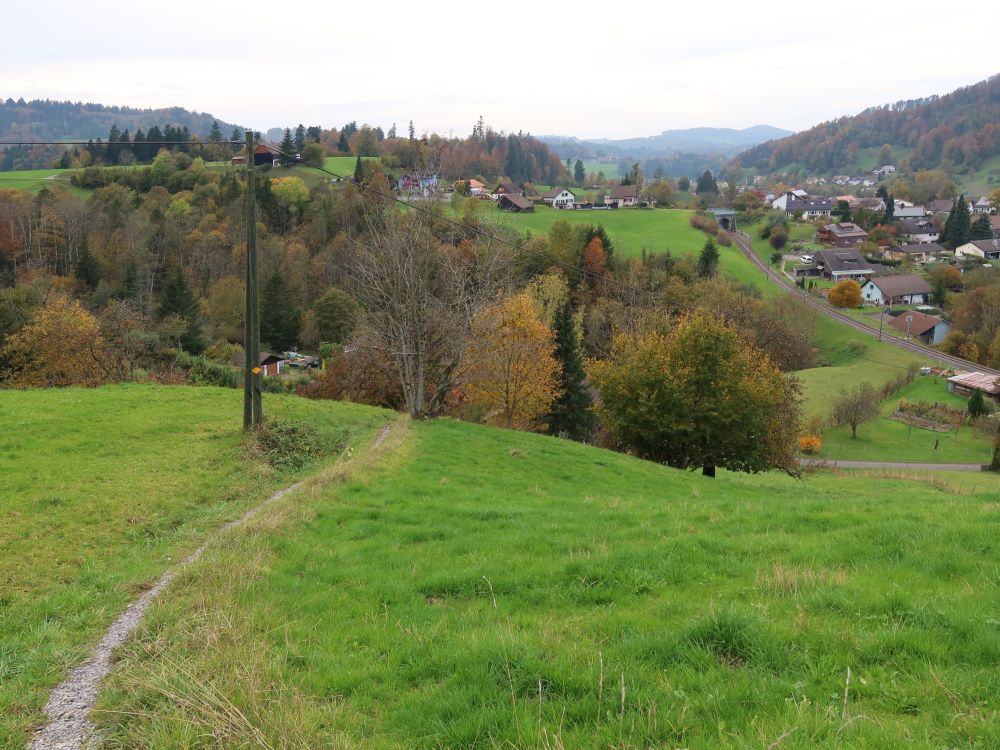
[99,142]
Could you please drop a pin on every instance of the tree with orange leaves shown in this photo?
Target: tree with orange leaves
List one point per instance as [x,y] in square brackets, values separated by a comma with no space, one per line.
[509,370]
[60,346]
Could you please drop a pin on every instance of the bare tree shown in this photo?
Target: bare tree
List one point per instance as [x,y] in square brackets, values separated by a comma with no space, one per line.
[855,406]
[420,296]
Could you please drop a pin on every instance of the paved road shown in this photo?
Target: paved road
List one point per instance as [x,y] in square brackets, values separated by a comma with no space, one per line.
[889,465]
[781,280]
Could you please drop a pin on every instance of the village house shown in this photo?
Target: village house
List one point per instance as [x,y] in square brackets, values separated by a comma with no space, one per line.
[919,230]
[781,201]
[843,263]
[908,212]
[920,252]
[417,184]
[967,382]
[896,290]
[622,196]
[985,249]
[514,203]
[930,329]
[475,188]
[995,226]
[270,364]
[560,197]
[884,171]
[842,234]
[505,187]
[981,205]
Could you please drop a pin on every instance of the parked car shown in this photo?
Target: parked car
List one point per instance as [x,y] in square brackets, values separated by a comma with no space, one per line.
[806,258]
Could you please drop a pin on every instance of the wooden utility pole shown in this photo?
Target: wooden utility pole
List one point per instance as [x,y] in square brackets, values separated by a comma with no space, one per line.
[253,413]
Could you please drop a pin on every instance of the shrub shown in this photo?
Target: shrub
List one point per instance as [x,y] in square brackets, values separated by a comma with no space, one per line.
[810,444]
[285,445]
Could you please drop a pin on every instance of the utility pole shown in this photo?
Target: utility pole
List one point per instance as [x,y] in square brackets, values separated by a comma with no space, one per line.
[253,413]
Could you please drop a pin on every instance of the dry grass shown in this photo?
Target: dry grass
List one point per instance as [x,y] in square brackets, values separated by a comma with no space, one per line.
[792,580]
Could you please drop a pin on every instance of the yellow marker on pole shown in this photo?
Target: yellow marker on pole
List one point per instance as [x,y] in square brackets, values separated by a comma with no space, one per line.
[256,371]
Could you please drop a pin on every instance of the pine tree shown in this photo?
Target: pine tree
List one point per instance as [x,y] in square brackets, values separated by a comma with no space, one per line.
[287,149]
[413,133]
[392,131]
[708,260]
[342,145]
[359,171]
[976,406]
[86,269]
[279,320]
[215,134]
[981,229]
[571,415]
[579,173]
[600,232]
[178,299]
[300,138]
[958,225]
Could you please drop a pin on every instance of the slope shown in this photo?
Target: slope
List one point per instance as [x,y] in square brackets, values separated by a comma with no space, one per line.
[486,588]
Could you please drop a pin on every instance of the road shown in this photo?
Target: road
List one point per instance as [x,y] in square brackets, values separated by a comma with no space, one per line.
[743,240]
[832,464]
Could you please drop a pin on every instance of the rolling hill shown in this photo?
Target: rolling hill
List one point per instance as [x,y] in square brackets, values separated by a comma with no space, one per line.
[958,132]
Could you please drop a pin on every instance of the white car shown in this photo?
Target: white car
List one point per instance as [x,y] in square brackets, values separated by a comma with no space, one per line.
[806,258]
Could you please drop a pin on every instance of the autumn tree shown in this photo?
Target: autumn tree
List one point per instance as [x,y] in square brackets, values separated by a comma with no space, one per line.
[509,370]
[60,346]
[337,315]
[699,397]
[846,293]
[594,260]
[570,414]
[856,405]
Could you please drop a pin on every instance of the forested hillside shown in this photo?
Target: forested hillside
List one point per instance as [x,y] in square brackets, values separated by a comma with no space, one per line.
[957,132]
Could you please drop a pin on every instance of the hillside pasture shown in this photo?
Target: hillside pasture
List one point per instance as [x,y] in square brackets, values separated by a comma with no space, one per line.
[105,489]
[484,588]
[33,180]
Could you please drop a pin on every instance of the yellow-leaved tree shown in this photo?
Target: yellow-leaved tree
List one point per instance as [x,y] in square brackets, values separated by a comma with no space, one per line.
[60,346]
[509,370]
[846,293]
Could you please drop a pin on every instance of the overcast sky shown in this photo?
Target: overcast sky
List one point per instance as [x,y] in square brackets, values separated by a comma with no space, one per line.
[602,69]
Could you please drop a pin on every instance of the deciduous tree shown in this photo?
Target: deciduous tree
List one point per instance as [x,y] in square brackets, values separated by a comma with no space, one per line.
[700,397]
[856,405]
[846,293]
[509,370]
[337,316]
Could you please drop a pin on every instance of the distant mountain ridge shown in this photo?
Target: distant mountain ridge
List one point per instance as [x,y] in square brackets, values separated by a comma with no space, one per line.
[47,120]
[702,140]
[957,132]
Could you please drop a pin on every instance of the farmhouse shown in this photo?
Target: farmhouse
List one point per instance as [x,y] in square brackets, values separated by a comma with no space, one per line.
[506,187]
[840,264]
[930,329]
[514,203]
[789,195]
[968,382]
[475,187]
[412,184]
[896,290]
[842,234]
[560,197]
[985,249]
[622,195]
[918,253]
[919,230]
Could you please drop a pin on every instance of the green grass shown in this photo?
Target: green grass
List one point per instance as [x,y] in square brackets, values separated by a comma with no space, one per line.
[886,439]
[484,588]
[34,180]
[102,490]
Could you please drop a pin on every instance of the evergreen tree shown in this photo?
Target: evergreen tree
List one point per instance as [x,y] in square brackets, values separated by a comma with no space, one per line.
[600,232]
[279,320]
[708,260]
[86,270]
[413,133]
[570,415]
[215,134]
[178,299]
[287,149]
[313,133]
[64,161]
[958,225]
[379,133]
[684,184]
[981,229]
[359,171]
[579,173]
[342,145]
[706,183]
[237,137]
[392,131]
[977,406]
[300,138]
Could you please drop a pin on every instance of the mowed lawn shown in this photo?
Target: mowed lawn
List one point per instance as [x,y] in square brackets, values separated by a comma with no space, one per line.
[886,439]
[34,180]
[105,489]
[484,588]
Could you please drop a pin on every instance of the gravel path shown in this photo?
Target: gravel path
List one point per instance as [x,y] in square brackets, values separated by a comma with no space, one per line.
[69,705]
[834,464]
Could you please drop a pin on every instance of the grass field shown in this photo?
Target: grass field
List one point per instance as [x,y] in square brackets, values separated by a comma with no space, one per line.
[890,440]
[483,588]
[102,489]
[35,179]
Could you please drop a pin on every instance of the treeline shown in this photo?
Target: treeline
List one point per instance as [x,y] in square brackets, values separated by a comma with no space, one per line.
[957,132]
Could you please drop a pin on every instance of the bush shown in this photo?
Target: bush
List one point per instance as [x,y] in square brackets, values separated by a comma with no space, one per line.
[285,445]
[810,444]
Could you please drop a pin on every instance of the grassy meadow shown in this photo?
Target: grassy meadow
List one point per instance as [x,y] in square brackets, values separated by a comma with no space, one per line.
[481,588]
[33,180]
[103,490]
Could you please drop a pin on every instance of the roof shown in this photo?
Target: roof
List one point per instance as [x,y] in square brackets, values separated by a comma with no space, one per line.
[809,204]
[918,226]
[555,191]
[920,323]
[925,247]
[977,380]
[845,229]
[910,212]
[517,201]
[895,286]
[265,358]
[941,205]
[843,259]
[618,192]
[991,246]
[506,186]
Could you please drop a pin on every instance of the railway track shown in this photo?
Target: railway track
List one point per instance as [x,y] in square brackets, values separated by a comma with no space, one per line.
[743,240]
